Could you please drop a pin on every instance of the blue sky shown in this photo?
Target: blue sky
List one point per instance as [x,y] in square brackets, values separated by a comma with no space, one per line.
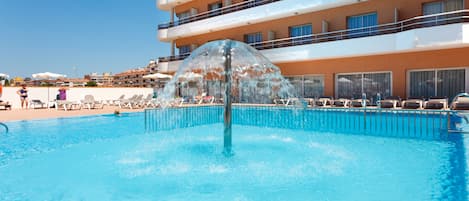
[89,35]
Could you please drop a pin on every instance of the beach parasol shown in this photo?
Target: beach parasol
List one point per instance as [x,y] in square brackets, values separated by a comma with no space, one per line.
[157,76]
[191,76]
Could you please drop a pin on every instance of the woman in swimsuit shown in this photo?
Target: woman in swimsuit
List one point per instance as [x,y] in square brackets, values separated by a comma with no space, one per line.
[23,93]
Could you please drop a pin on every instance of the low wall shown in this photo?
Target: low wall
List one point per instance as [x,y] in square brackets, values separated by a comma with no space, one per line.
[73,94]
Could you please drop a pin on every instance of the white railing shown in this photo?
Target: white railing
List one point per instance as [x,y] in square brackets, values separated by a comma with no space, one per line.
[460,16]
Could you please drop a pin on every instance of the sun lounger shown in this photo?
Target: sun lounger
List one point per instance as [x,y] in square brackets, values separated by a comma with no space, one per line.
[391,102]
[323,101]
[342,102]
[123,102]
[67,105]
[413,103]
[436,102]
[115,101]
[90,103]
[132,103]
[207,99]
[147,101]
[359,103]
[5,105]
[460,102]
[35,103]
[281,101]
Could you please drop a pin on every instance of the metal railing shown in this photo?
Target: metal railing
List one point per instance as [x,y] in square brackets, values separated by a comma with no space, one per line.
[5,126]
[428,124]
[216,12]
[460,16]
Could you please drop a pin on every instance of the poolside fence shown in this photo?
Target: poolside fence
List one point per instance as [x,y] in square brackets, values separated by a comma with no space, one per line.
[386,122]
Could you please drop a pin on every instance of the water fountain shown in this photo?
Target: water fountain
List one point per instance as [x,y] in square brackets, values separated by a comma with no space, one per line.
[242,71]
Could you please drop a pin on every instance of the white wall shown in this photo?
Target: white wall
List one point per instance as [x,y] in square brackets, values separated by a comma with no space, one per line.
[73,94]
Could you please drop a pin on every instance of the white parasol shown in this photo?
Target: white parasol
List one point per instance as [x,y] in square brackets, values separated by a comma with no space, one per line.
[191,76]
[157,76]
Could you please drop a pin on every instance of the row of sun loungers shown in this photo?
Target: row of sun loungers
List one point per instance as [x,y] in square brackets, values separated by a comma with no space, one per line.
[138,101]
[392,102]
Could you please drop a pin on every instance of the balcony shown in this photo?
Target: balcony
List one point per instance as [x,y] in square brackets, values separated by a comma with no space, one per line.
[432,31]
[217,12]
[245,13]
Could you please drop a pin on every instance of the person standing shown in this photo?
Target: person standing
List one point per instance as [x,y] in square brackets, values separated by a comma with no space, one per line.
[23,93]
[1,88]
[62,93]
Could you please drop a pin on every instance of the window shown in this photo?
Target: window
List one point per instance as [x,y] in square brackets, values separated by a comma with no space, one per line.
[360,23]
[215,88]
[354,85]
[253,38]
[448,82]
[186,49]
[442,6]
[183,15]
[214,8]
[248,87]
[308,86]
[302,30]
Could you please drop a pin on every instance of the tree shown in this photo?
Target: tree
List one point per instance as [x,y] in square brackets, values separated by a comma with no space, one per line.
[91,84]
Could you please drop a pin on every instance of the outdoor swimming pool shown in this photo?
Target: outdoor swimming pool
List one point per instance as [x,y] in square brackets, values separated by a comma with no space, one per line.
[111,157]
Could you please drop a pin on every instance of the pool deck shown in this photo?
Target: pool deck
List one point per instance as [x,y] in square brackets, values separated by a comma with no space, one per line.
[29,114]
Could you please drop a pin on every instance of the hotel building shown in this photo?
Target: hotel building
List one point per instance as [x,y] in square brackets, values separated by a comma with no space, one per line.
[339,48]
[131,78]
[134,77]
[102,80]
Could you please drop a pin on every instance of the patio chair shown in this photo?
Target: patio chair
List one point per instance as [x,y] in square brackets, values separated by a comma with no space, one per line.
[91,103]
[413,103]
[436,102]
[391,102]
[342,102]
[36,103]
[460,102]
[323,101]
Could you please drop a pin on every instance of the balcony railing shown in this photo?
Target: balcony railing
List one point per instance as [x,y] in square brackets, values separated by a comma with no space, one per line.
[460,16]
[217,12]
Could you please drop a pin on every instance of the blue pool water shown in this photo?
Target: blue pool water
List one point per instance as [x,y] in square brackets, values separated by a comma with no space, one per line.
[113,158]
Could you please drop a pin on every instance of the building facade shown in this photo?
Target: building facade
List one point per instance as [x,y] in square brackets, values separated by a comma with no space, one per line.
[339,48]
[131,78]
[71,82]
[102,80]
